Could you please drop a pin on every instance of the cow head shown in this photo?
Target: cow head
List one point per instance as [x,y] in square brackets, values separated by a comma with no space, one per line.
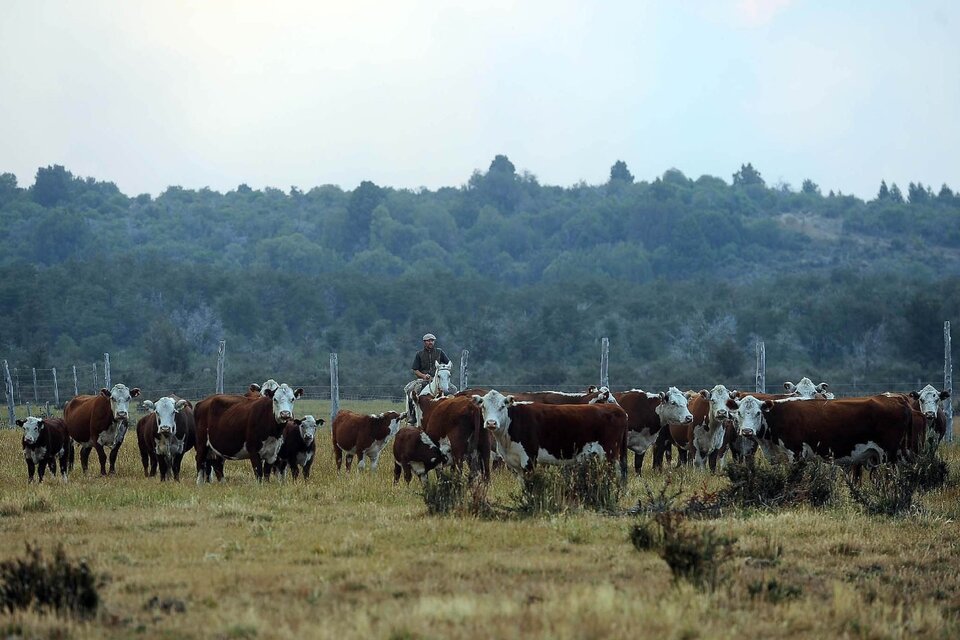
[718,397]
[433,456]
[930,400]
[166,409]
[269,385]
[747,414]
[31,429]
[673,408]
[120,400]
[804,389]
[603,396]
[822,390]
[394,421]
[283,398]
[443,374]
[494,408]
[308,428]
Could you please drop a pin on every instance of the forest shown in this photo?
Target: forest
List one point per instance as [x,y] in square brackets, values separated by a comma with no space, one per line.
[683,275]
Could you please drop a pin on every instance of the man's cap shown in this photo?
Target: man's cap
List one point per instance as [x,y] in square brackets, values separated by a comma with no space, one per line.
[429,336]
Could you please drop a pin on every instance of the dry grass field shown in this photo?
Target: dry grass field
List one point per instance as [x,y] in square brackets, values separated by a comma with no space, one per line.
[353,556]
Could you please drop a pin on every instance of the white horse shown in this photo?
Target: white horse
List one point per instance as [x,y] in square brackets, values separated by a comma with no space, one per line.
[439,385]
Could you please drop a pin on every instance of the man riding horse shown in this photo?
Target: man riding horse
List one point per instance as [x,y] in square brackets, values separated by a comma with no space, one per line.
[429,361]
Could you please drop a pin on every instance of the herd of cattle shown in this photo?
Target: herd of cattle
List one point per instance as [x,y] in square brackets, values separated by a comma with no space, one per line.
[477,426]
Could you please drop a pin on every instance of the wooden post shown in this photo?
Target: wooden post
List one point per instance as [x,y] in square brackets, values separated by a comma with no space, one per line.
[96,380]
[106,371]
[220,352]
[334,388]
[463,368]
[29,409]
[36,396]
[8,381]
[76,388]
[56,390]
[761,367]
[948,380]
[605,362]
[16,376]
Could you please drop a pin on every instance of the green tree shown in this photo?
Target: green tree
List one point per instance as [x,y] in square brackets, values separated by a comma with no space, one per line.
[167,348]
[747,176]
[946,194]
[620,173]
[363,201]
[884,192]
[51,186]
[810,187]
[917,193]
[895,194]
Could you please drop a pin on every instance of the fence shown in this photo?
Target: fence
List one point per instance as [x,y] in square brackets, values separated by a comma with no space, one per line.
[43,387]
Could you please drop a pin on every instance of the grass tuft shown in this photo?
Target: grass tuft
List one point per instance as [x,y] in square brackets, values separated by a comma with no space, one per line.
[58,585]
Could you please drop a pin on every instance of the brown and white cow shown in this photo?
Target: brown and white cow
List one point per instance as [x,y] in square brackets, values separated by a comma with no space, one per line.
[45,443]
[851,431]
[456,425]
[299,447]
[528,433]
[414,452]
[100,421]
[363,436]
[235,427]
[929,403]
[649,413]
[164,435]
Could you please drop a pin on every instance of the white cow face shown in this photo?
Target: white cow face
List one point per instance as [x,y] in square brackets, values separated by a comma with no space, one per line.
[120,400]
[718,397]
[930,400]
[31,429]
[166,409]
[748,414]
[673,408]
[283,398]
[803,389]
[494,407]
[443,374]
[308,429]
[269,385]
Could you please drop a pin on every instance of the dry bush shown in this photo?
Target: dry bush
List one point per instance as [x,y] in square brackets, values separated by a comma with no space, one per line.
[890,491]
[811,482]
[589,483]
[58,585]
[452,493]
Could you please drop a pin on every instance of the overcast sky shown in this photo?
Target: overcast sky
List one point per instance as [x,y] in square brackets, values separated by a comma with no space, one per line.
[410,94]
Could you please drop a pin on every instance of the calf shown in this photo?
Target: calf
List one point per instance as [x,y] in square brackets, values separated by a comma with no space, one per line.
[299,447]
[232,427]
[929,403]
[356,434]
[164,435]
[99,421]
[46,442]
[529,432]
[414,452]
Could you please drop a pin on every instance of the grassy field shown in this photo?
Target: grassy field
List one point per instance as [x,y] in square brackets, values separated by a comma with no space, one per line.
[350,556]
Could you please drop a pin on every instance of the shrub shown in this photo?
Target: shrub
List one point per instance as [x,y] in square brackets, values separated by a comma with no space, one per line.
[890,492]
[589,483]
[812,482]
[925,470]
[773,591]
[49,585]
[541,491]
[446,494]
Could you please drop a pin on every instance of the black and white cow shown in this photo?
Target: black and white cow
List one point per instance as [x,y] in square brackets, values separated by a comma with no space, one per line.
[166,433]
[46,442]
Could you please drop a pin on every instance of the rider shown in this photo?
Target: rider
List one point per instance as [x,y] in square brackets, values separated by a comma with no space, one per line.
[425,362]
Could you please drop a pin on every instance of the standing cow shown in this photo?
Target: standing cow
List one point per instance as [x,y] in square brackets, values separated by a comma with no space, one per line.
[164,435]
[414,452]
[235,427]
[648,415]
[46,442]
[99,421]
[356,434]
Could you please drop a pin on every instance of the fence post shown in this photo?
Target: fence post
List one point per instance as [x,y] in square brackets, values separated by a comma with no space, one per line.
[220,352]
[96,380]
[463,368]
[8,383]
[948,380]
[761,367]
[36,396]
[76,389]
[106,371]
[16,375]
[334,388]
[56,390]
[605,362]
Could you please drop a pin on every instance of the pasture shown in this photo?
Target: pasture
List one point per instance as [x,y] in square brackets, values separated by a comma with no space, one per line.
[352,555]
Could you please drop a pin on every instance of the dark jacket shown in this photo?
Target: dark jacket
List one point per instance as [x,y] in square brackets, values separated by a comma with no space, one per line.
[426,361]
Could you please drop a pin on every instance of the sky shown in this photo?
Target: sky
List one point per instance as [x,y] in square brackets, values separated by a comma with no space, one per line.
[414,94]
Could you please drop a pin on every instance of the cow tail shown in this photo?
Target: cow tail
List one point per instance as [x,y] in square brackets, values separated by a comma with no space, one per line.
[623,456]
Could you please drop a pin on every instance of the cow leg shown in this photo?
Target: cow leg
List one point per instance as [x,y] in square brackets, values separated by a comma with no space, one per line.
[164,467]
[349,461]
[154,463]
[102,457]
[637,462]
[41,469]
[661,446]
[30,469]
[64,464]
[145,461]
[114,452]
[338,456]
[397,470]
[175,467]
[70,456]
[408,474]
[681,457]
[257,463]
[84,458]
[307,467]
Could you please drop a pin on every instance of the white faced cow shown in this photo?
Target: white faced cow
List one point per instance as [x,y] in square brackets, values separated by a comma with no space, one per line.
[99,421]
[164,435]
[708,437]
[929,402]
